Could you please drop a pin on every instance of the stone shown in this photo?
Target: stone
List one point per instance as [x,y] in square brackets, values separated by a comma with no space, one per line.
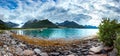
[108,48]
[91,53]
[10,54]
[19,51]
[98,55]
[113,52]
[4,46]
[13,42]
[28,52]
[55,53]
[36,50]
[43,54]
[96,49]
[71,55]
[21,44]
[84,50]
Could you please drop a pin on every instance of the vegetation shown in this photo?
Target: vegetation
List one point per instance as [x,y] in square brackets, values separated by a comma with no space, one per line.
[117,45]
[39,24]
[2,25]
[107,31]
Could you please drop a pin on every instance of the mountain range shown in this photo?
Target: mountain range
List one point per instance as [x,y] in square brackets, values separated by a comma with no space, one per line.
[48,24]
[6,25]
[39,24]
[44,24]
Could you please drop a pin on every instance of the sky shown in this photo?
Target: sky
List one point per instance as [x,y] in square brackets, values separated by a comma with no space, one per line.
[85,12]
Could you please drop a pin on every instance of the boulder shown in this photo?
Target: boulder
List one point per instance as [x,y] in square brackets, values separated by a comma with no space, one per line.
[37,51]
[96,49]
[28,52]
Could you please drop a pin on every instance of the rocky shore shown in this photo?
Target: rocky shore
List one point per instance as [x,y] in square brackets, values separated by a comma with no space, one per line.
[10,46]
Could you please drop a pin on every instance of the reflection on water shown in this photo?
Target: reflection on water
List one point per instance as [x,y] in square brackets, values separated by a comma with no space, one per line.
[54,33]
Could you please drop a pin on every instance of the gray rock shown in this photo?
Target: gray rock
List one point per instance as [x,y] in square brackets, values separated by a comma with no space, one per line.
[96,49]
[84,50]
[72,55]
[113,52]
[36,50]
[54,53]
[13,42]
[19,51]
[43,54]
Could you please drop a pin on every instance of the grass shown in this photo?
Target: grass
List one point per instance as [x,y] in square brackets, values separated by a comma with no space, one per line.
[39,42]
[44,42]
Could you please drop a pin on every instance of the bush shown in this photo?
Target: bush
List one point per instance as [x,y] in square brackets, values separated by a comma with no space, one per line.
[107,31]
[117,45]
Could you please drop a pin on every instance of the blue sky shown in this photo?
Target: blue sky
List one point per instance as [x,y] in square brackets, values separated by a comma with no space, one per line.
[87,12]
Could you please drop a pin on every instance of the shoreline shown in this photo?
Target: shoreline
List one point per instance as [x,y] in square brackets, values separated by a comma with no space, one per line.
[22,46]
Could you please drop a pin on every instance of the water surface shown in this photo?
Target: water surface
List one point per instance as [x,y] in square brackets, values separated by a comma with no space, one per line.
[56,33]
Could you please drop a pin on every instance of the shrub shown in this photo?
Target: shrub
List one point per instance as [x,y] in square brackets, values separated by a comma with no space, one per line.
[107,31]
[117,45]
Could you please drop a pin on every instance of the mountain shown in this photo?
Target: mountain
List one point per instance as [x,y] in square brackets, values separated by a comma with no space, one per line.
[39,24]
[90,26]
[3,25]
[11,25]
[69,24]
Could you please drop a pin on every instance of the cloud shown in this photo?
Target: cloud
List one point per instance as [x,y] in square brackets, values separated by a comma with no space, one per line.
[81,11]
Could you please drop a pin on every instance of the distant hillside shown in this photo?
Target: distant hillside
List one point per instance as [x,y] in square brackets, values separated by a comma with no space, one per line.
[39,24]
[3,25]
[69,24]
[11,25]
[90,26]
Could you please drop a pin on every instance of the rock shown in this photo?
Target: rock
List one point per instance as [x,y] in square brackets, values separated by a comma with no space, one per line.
[36,50]
[21,44]
[10,54]
[96,49]
[43,54]
[19,51]
[91,53]
[28,52]
[108,48]
[54,53]
[13,42]
[84,50]
[34,55]
[113,52]
[71,55]
[4,46]
[98,55]
[1,43]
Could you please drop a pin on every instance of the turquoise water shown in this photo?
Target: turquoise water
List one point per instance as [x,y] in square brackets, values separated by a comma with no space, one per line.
[56,33]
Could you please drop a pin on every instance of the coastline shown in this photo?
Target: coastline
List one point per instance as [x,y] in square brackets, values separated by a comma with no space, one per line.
[24,45]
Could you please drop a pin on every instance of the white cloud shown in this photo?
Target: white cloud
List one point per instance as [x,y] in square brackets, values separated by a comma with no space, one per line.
[59,11]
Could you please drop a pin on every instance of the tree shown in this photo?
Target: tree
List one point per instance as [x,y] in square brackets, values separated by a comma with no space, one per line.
[107,31]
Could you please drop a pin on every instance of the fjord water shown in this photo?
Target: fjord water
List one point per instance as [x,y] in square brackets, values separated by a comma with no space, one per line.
[56,33]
